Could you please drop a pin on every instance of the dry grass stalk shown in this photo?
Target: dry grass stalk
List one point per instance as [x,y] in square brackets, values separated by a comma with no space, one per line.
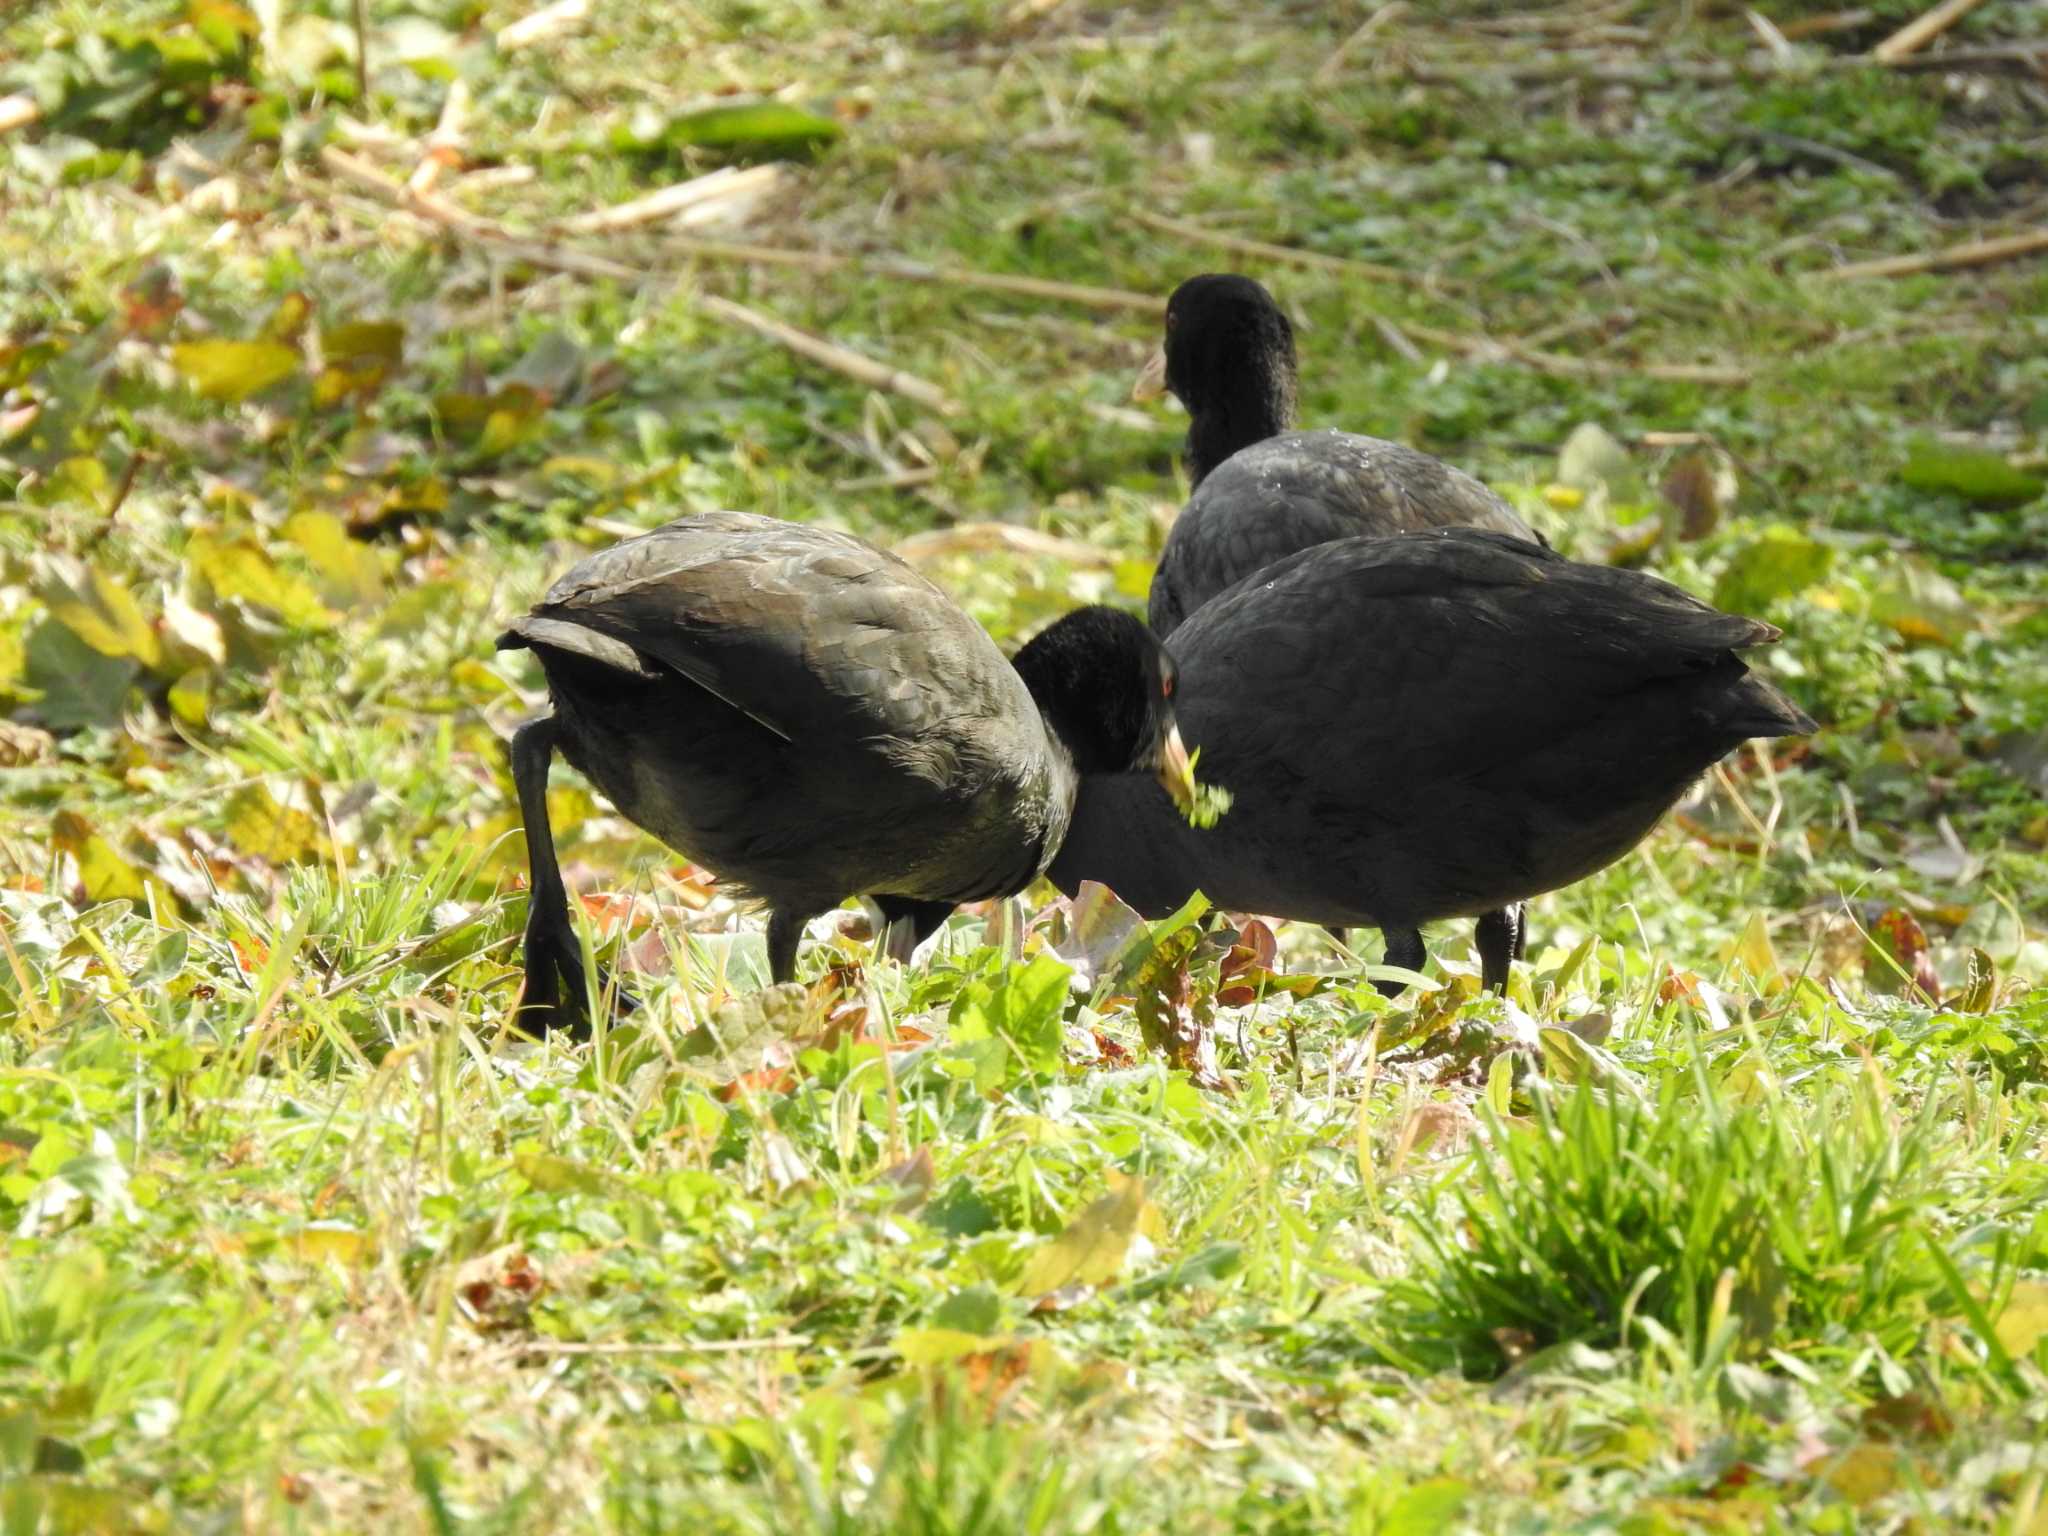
[1334,64]
[714,192]
[1270,252]
[537,27]
[855,365]
[916,272]
[981,538]
[443,149]
[1922,30]
[1974,253]
[1568,366]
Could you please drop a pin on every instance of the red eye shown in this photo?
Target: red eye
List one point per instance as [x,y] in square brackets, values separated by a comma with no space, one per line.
[1166,686]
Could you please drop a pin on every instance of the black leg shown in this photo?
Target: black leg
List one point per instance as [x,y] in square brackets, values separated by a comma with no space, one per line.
[1405,949]
[785,932]
[909,924]
[554,993]
[1496,937]
[1520,911]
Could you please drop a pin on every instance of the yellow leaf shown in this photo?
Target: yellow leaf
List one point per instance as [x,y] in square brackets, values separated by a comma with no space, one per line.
[349,570]
[98,609]
[190,696]
[1566,498]
[939,1346]
[261,827]
[238,568]
[2024,1321]
[1753,952]
[1091,1250]
[234,370]
[323,1243]
[105,875]
[1865,1472]
[555,1175]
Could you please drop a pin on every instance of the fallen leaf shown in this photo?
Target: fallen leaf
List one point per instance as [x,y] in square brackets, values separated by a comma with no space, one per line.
[97,608]
[1092,1248]
[1980,991]
[2024,1321]
[1700,486]
[234,370]
[263,828]
[1778,562]
[1902,961]
[1971,473]
[103,874]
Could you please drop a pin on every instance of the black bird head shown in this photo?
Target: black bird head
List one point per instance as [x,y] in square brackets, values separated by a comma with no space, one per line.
[1105,687]
[1228,357]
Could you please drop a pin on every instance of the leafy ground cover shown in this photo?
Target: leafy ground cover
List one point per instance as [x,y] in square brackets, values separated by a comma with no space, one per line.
[1728,1218]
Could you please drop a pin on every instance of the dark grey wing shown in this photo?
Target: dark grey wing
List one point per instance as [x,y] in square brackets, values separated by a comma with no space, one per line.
[1306,488]
[801,628]
[1456,650]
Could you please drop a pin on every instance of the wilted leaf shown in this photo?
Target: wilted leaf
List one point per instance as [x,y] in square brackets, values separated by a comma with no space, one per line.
[744,1033]
[1777,563]
[1753,952]
[77,685]
[1922,604]
[1100,932]
[1247,972]
[1091,1250]
[103,873]
[357,359]
[1971,473]
[349,571]
[1176,1012]
[1700,486]
[289,318]
[261,827]
[495,422]
[556,1175]
[234,370]
[1594,462]
[96,608]
[1980,992]
[193,629]
[1902,962]
[1866,1472]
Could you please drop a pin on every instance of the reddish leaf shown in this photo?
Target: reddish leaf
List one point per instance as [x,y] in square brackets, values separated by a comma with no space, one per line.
[1904,962]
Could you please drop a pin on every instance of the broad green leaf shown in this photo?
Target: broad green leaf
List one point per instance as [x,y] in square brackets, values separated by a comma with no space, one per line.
[1426,1509]
[261,827]
[349,570]
[1017,1009]
[324,1242]
[234,370]
[96,608]
[556,1175]
[761,130]
[976,1310]
[1091,1250]
[1777,563]
[939,1346]
[1971,473]
[77,686]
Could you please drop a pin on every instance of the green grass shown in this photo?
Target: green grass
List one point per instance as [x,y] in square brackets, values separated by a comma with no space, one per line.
[1718,1223]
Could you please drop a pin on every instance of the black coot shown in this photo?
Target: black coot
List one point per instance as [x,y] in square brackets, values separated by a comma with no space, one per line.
[1261,491]
[1427,726]
[807,717]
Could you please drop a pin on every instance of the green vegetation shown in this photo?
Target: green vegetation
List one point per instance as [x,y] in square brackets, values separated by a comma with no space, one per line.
[1729,1218]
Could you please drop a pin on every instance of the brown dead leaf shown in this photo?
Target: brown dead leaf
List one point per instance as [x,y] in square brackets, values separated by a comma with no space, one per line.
[1902,962]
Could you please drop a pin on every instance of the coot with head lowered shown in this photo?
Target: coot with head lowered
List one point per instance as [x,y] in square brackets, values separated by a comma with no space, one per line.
[1427,726]
[807,717]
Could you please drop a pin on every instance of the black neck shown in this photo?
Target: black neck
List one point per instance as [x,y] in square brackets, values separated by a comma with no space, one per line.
[1221,428]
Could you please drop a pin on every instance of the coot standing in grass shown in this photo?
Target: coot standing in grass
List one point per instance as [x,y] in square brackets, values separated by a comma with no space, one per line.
[807,717]
[1261,491]
[1427,726]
